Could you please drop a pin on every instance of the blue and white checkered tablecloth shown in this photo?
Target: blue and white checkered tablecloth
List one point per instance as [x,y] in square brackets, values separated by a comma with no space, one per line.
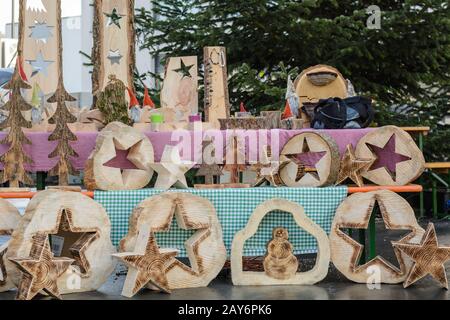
[234,207]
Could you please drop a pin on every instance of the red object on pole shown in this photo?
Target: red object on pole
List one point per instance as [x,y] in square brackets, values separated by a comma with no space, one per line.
[133,100]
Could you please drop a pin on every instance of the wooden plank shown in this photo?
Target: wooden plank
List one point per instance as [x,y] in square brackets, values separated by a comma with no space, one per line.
[424,130]
[438,165]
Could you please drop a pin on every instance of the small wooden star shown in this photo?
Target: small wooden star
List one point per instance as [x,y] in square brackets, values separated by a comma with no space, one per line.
[351,167]
[146,265]
[40,272]
[429,258]
[184,71]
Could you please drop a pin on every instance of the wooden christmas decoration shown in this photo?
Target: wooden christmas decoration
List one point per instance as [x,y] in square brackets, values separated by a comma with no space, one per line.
[171,170]
[235,160]
[118,136]
[41,270]
[39,32]
[352,167]
[355,213]
[279,265]
[429,258]
[208,170]
[112,103]
[15,158]
[280,262]
[319,82]
[206,249]
[217,103]
[267,170]
[314,160]
[114,49]
[179,90]
[9,220]
[273,118]
[253,123]
[146,265]
[397,160]
[80,225]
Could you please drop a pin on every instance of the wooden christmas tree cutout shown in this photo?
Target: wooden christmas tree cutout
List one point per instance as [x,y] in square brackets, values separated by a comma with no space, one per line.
[209,171]
[41,270]
[15,159]
[146,265]
[429,258]
[352,167]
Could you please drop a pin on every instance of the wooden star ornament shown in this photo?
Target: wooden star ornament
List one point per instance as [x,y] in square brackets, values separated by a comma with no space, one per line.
[352,167]
[429,258]
[40,271]
[146,265]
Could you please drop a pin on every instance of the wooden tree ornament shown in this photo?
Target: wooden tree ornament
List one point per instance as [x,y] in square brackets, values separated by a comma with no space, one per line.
[146,264]
[217,102]
[15,158]
[114,49]
[41,270]
[206,250]
[397,160]
[112,102]
[209,171]
[180,87]
[314,160]
[429,258]
[61,118]
[355,212]
[9,220]
[70,215]
[117,136]
[275,275]
[352,167]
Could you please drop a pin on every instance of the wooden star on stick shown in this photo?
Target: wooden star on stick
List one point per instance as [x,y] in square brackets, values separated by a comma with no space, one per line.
[352,167]
[429,258]
[146,265]
[40,271]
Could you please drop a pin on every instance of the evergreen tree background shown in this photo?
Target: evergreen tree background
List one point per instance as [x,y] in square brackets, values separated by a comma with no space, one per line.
[404,66]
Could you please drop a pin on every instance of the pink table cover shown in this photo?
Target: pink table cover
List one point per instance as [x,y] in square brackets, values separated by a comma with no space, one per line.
[41,147]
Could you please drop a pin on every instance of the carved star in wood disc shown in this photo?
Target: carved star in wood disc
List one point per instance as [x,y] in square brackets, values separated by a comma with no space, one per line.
[429,258]
[351,167]
[78,249]
[146,265]
[40,271]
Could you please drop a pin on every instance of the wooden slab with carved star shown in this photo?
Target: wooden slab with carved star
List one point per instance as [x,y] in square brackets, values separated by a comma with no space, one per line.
[429,258]
[41,270]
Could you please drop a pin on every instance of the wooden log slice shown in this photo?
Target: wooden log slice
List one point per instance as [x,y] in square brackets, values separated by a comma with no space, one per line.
[206,249]
[325,171]
[406,171]
[9,220]
[117,136]
[49,212]
[355,213]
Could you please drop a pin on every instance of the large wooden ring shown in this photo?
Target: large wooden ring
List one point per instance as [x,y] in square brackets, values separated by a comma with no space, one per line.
[47,212]
[206,249]
[406,171]
[327,168]
[9,220]
[317,274]
[121,137]
[355,213]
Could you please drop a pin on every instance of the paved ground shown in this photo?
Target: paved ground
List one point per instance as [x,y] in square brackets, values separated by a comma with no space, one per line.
[334,287]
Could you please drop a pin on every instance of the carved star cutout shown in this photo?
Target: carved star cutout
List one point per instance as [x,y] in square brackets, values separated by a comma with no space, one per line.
[429,258]
[40,65]
[78,249]
[41,31]
[114,56]
[267,170]
[387,157]
[171,170]
[40,272]
[114,18]
[184,71]
[351,167]
[146,265]
[306,161]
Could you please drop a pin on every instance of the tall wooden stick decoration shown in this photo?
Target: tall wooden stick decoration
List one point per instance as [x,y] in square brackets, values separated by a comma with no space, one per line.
[61,118]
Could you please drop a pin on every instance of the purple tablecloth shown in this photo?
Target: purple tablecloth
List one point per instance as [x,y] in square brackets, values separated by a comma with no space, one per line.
[41,147]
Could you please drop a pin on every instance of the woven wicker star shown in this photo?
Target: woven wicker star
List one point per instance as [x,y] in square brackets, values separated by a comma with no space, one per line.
[40,271]
[146,265]
[429,258]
